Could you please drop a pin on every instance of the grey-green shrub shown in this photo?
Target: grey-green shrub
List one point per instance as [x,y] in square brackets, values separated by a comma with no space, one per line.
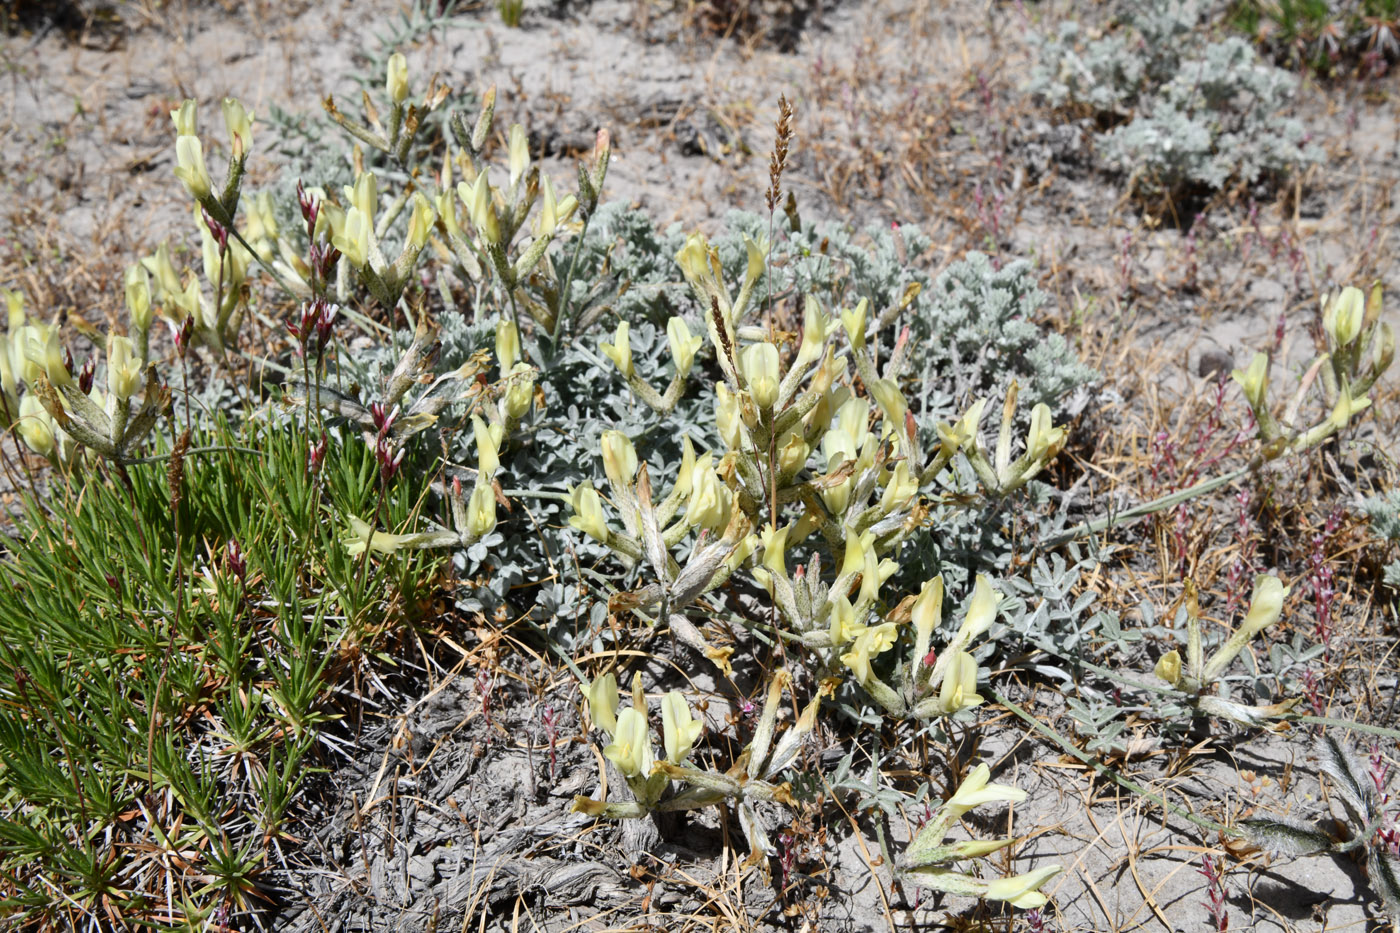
[1193,113]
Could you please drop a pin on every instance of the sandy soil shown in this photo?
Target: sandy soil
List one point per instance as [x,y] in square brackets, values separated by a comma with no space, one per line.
[907,111]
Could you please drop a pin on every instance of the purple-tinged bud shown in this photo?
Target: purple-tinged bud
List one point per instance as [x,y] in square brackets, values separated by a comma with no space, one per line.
[85,376]
[323,258]
[324,325]
[383,422]
[236,560]
[183,334]
[389,459]
[316,456]
[295,333]
[310,207]
[216,230]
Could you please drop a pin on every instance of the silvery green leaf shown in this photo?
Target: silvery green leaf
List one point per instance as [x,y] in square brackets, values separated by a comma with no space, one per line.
[753,830]
[418,359]
[1384,870]
[1341,766]
[652,545]
[767,721]
[791,742]
[948,881]
[1283,836]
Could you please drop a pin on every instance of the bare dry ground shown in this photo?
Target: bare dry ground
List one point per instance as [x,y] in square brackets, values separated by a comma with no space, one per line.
[455,813]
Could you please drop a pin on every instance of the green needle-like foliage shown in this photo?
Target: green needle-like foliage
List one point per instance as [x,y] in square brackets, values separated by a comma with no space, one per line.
[164,671]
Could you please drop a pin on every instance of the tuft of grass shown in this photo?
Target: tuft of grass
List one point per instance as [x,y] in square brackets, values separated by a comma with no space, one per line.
[166,672]
[1324,36]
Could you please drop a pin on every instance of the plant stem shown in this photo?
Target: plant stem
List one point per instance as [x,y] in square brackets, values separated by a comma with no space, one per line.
[1112,775]
[1114,519]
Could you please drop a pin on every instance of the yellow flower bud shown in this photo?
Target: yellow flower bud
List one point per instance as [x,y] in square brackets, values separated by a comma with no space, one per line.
[774,543]
[239,123]
[620,350]
[729,417]
[396,78]
[710,500]
[853,560]
[1022,890]
[741,553]
[1344,315]
[1266,605]
[755,253]
[353,243]
[760,365]
[891,402]
[928,608]
[1254,381]
[364,194]
[137,285]
[792,452]
[631,746]
[852,420]
[953,438]
[262,219]
[976,790]
[420,222]
[1383,348]
[981,610]
[548,218]
[44,350]
[481,511]
[507,345]
[694,258]
[588,514]
[679,729]
[959,688]
[1169,668]
[842,627]
[123,369]
[14,309]
[488,458]
[481,205]
[184,118]
[687,470]
[565,211]
[854,322]
[521,391]
[1043,441]
[35,426]
[815,328]
[446,204]
[602,702]
[519,153]
[838,497]
[159,265]
[619,458]
[189,167]
[900,490]
[683,345]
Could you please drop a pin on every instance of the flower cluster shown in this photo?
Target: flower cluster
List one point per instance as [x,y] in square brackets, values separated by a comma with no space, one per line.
[656,782]
[1197,674]
[1359,346]
[60,410]
[927,860]
[844,468]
